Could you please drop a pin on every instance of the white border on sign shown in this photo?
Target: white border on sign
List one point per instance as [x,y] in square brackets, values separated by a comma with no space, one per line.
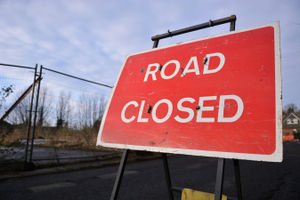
[276,156]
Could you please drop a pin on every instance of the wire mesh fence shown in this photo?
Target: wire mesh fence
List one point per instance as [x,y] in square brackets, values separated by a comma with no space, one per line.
[72,111]
[14,81]
[65,111]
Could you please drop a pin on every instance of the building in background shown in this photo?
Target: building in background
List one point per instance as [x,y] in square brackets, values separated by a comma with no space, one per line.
[291,127]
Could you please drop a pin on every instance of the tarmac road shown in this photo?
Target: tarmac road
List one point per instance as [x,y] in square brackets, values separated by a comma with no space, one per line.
[145,180]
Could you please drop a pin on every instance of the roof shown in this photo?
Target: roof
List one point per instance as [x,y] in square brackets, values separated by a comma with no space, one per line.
[291,121]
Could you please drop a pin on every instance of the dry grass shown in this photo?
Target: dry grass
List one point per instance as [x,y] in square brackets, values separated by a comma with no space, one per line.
[60,138]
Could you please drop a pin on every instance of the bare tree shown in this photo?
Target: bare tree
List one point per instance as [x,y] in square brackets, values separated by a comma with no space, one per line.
[5,91]
[90,110]
[63,109]
[84,111]
[100,109]
[44,108]
[20,114]
[290,108]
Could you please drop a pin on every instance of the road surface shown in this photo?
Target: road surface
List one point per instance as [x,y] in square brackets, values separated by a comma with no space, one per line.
[145,180]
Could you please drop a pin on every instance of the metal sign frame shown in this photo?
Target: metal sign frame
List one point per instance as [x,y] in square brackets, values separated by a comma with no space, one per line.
[221,161]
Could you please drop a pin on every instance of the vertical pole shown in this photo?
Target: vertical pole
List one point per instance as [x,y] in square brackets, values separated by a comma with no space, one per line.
[119,177]
[30,114]
[221,161]
[35,112]
[164,156]
[167,176]
[155,44]
[237,175]
[219,179]
[232,25]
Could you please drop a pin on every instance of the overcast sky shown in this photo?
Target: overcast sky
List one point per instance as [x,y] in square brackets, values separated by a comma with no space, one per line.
[91,39]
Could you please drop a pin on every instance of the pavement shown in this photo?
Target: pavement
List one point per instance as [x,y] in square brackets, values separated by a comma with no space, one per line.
[64,168]
[50,161]
[48,155]
[46,160]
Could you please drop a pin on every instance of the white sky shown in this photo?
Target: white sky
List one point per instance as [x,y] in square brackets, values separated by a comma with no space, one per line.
[91,38]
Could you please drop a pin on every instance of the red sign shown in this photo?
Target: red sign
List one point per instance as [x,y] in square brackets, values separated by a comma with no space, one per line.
[219,96]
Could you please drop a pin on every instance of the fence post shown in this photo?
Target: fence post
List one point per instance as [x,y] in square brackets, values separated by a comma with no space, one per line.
[35,112]
[30,115]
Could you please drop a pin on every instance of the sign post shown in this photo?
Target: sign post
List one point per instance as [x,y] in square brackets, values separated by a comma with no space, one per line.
[218,96]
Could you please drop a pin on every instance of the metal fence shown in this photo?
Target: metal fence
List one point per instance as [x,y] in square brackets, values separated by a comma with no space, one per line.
[49,115]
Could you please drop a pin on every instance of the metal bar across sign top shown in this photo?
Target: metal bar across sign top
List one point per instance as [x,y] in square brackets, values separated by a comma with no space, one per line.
[211,23]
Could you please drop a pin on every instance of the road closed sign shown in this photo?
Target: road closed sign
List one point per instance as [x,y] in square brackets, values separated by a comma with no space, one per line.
[218,96]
